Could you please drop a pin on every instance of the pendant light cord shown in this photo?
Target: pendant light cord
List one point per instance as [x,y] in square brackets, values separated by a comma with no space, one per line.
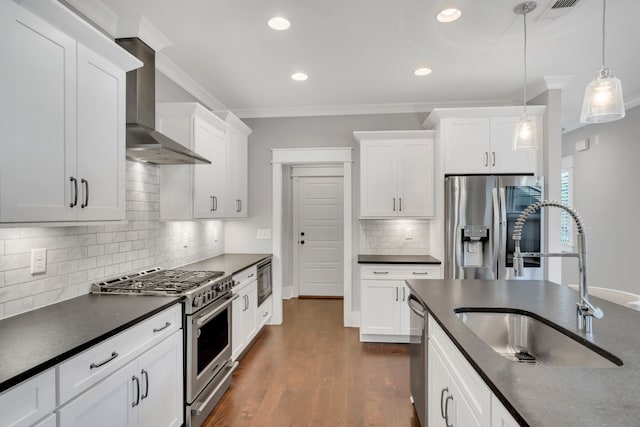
[524,101]
[604,13]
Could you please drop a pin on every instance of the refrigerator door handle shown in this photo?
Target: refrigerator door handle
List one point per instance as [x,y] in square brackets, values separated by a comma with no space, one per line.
[497,241]
[503,233]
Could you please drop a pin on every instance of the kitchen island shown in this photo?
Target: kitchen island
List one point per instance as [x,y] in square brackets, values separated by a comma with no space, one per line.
[539,395]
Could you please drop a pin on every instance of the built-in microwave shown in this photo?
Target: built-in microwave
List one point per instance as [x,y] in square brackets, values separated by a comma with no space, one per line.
[264,281]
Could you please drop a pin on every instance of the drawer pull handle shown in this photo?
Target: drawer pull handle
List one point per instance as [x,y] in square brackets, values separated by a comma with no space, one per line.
[424,273]
[251,275]
[380,272]
[166,325]
[266,313]
[97,365]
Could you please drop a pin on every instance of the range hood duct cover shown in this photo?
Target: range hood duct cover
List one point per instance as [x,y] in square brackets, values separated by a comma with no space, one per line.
[144,143]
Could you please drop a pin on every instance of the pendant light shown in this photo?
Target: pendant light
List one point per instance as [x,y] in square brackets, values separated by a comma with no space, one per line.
[603,100]
[524,134]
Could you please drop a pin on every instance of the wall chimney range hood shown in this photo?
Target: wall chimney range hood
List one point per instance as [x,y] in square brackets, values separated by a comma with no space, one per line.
[144,143]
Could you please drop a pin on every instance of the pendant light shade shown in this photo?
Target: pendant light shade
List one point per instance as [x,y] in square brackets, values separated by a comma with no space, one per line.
[525,133]
[603,101]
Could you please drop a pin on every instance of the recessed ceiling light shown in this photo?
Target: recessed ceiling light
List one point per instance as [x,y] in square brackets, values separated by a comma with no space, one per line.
[423,71]
[449,15]
[279,23]
[299,76]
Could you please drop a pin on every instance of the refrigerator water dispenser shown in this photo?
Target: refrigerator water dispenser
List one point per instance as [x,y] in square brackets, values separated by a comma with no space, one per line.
[474,238]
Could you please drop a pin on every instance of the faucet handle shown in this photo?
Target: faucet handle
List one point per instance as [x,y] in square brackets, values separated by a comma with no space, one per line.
[589,309]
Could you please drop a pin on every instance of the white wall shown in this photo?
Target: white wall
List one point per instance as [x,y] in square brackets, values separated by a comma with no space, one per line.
[329,131]
[78,256]
[606,195]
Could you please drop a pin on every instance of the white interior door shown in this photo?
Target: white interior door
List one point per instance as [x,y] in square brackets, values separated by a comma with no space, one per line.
[318,207]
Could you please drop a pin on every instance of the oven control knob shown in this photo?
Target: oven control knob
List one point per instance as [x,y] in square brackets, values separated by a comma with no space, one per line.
[197,301]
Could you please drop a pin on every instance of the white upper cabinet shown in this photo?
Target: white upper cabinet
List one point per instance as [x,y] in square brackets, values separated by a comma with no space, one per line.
[101,137]
[237,166]
[397,174]
[193,191]
[62,113]
[480,140]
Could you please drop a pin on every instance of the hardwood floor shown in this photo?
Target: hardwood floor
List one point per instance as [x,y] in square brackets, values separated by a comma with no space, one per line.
[312,371]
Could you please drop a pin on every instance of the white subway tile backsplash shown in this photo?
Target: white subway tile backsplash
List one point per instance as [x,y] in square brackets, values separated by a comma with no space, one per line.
[17,246]
[95,250]
[80,255]
[17,306]
[111,248]
[389,237]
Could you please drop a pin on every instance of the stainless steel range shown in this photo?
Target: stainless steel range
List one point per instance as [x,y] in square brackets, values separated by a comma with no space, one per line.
[207,329]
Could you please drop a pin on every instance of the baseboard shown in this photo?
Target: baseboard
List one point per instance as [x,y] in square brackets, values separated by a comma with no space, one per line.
[319,297]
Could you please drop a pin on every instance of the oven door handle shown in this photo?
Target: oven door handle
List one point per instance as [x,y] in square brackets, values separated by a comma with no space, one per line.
[221,307]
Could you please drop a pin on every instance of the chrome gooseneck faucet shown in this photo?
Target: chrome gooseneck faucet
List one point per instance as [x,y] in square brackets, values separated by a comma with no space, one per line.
[585,310]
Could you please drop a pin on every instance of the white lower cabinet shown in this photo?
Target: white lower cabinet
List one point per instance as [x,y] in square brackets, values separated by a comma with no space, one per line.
[457,395]
[447,404]
[110,403]
[30,401]
[50,421]
[145,392]
[500,417]
[264,312]
[384,312]
[244,311]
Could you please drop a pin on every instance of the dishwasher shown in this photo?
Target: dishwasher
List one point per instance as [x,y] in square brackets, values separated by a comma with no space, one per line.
[418,348]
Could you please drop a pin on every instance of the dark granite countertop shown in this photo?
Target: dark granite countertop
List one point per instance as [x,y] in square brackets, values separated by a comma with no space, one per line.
[34,341]
[545,395]
[397,259]
[229,263]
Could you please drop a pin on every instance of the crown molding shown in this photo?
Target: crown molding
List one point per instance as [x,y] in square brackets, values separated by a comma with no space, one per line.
[98,13]
[547,83]
[141,27]
[357,109]
[577,124]
[188,83]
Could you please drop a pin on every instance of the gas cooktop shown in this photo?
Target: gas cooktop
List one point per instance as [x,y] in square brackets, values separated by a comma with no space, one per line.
[158,281]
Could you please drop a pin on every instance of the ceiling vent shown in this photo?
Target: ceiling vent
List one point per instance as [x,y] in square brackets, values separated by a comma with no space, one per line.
[559,8]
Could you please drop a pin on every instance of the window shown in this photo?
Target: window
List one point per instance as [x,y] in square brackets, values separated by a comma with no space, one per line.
[566,198]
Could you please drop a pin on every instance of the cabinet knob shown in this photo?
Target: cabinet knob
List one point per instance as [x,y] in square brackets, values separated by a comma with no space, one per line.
[302,242]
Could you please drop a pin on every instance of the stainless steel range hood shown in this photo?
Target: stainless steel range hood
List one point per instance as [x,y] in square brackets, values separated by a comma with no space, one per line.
[144,143]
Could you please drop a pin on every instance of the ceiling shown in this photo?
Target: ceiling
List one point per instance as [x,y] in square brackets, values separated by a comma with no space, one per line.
[360,54]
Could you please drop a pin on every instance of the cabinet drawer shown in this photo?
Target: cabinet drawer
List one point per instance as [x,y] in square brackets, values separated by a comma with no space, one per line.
[29,401]
[245,276]
[475,390]
[265,311]
[402,271]
[87,368]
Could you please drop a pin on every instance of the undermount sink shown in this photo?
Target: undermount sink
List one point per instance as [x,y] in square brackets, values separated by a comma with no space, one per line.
[523,338]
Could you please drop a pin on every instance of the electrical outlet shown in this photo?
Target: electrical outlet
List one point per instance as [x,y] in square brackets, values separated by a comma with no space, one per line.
[408,234]
[38,261]
[264,234]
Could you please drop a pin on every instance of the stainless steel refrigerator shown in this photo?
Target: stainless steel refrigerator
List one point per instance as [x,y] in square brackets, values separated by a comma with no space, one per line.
[480,212]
